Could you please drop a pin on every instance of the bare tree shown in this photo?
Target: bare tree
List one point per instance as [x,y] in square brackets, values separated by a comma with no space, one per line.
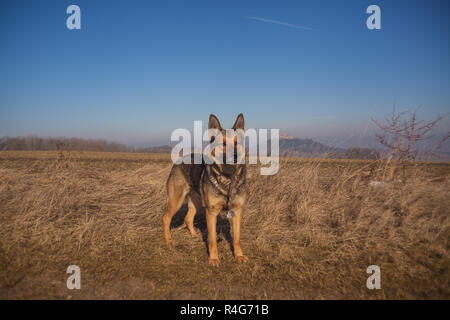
[402,131]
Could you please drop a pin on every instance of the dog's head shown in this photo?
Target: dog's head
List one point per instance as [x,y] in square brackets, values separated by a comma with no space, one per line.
[232,141]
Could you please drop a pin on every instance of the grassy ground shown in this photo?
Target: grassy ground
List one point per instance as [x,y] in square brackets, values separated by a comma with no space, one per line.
[310,231]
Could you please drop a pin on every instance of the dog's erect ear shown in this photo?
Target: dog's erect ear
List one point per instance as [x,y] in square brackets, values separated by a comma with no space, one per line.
[240,123]
[214,122]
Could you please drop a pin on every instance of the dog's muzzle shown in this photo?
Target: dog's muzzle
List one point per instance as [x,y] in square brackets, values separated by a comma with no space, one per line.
[229,169]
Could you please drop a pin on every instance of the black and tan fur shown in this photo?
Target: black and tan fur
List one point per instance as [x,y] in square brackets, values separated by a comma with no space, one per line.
[208,185]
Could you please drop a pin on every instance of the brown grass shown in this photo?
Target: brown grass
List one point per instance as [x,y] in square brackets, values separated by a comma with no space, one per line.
[310,231]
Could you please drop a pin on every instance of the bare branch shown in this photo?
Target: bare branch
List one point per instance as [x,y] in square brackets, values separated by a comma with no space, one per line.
[400,134]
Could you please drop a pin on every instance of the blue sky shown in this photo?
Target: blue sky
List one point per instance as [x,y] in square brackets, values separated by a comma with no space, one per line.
[139,69]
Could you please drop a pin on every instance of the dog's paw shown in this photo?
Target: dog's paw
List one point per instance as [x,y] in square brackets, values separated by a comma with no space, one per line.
[241,259]
[171,242]
[193,233]
[214,262]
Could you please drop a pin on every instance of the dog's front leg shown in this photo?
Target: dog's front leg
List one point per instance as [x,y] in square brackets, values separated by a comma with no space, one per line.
[236,223]
[211,221]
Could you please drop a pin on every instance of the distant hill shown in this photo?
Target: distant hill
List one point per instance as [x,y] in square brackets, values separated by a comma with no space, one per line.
[308,148]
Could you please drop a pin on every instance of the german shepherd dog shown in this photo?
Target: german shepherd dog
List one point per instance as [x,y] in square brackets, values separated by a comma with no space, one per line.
[216,186]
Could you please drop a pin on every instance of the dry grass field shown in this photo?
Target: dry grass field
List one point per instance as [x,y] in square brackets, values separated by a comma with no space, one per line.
[310,231]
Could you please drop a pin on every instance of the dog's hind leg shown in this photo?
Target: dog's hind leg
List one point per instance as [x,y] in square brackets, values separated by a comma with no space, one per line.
[177,190]
[194,204]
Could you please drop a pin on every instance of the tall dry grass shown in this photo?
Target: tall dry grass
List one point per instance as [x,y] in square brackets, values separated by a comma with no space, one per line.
[310,231]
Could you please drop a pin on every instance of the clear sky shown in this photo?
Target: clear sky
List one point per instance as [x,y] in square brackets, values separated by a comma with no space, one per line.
[139,69]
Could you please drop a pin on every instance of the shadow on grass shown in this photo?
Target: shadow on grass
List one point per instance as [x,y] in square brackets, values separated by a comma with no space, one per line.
[223,226]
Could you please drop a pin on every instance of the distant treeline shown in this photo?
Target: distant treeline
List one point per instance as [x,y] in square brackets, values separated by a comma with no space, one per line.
[55,144]
[288,148]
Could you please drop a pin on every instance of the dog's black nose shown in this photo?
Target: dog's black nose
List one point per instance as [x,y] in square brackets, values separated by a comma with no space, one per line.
[228,169]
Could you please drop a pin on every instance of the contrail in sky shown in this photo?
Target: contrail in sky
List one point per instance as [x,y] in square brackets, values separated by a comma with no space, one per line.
[280,22]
